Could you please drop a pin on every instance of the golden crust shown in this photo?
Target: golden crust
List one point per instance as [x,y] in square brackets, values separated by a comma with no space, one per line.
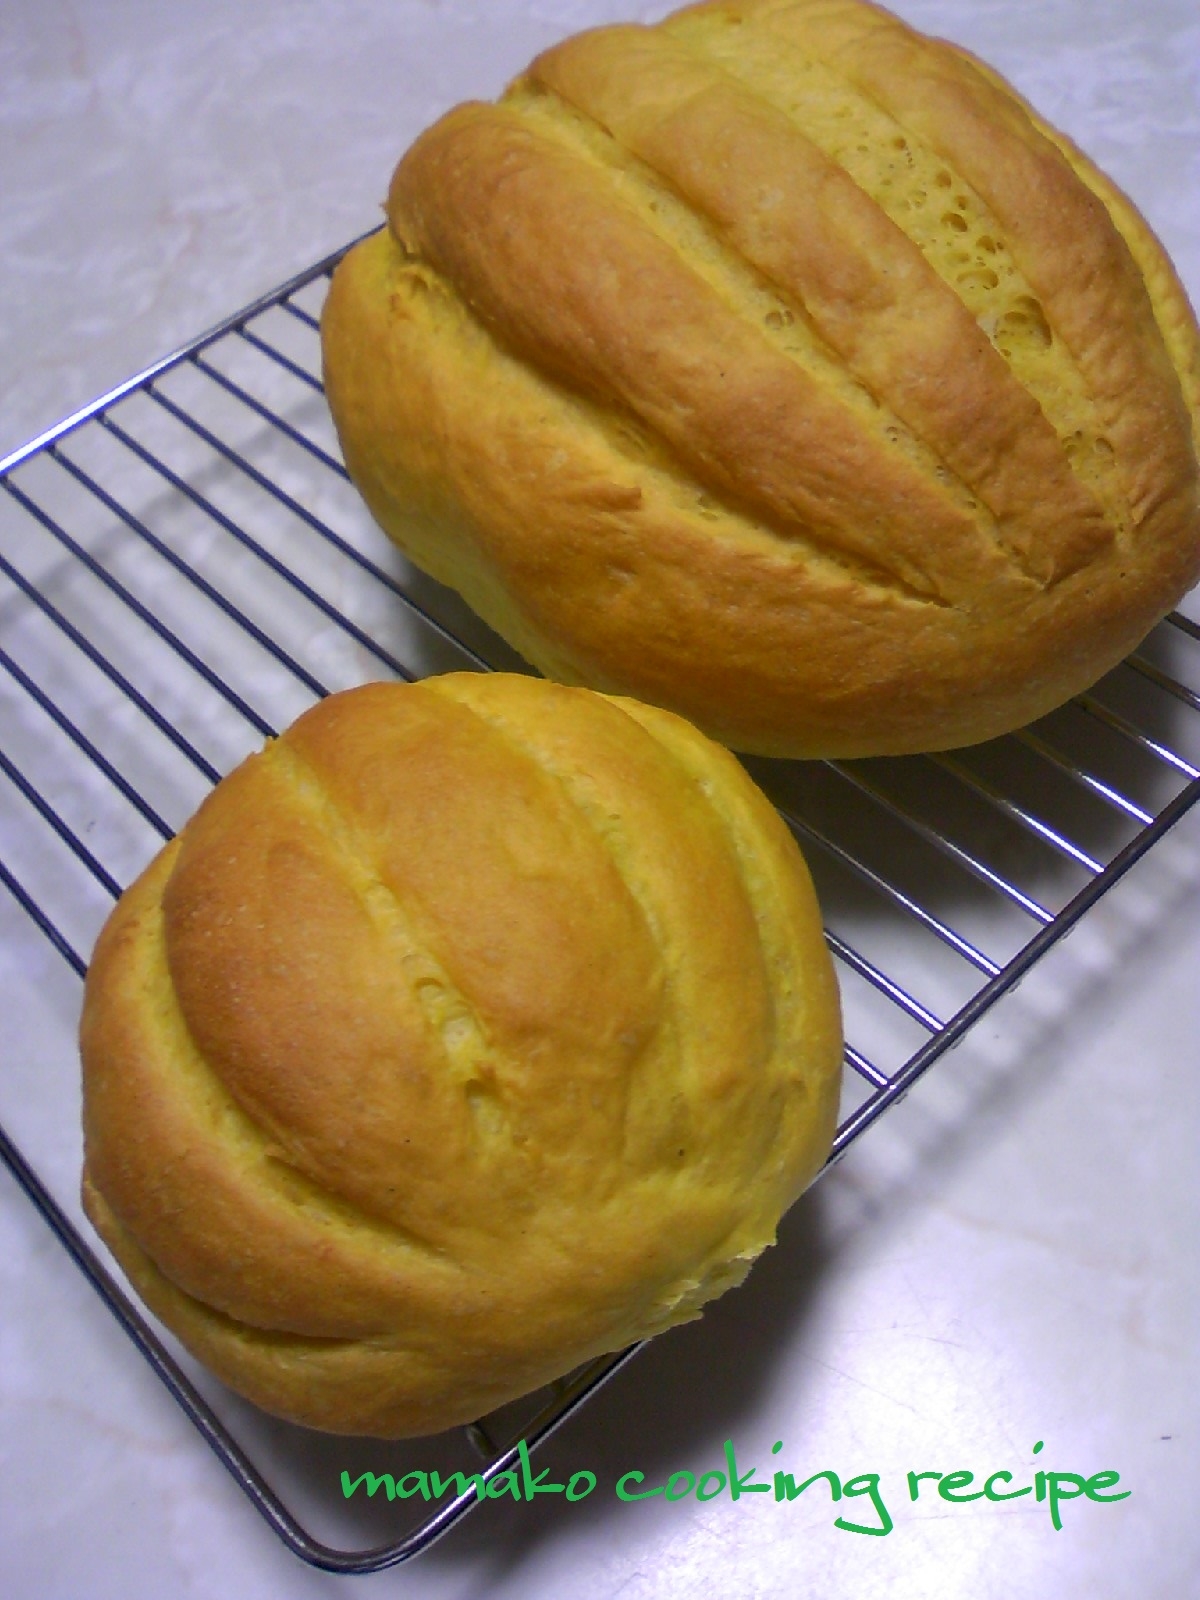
[630,323]
[1094,297]
[779,366]
[867,288]
[472,1029]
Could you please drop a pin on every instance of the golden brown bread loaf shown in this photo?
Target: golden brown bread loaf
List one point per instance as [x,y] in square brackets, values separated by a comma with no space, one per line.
[778,365]
[474,1028]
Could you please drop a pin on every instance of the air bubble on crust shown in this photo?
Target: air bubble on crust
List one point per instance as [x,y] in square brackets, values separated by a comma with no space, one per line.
[978,278]
[483,1103]
[1024,326]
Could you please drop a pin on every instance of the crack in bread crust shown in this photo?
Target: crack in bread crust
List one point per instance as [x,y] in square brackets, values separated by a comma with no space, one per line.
[1090,293]
[452,1020]
[920,191]
[647,181]
[641,458]
[854,300]
[629,321]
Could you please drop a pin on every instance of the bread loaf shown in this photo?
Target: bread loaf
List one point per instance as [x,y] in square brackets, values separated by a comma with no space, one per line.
[780,366]
[472,1029]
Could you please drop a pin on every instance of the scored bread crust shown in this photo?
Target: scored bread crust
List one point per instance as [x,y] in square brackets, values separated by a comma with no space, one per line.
[472,1029]
[777,365]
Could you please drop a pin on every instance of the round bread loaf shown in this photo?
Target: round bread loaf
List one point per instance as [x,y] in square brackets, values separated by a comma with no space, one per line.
[472,1029]
[780,366]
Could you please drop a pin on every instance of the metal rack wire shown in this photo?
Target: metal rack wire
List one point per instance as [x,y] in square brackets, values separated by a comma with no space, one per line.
[184,567]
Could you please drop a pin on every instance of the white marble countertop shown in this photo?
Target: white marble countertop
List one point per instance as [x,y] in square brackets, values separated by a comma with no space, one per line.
[1010,1257]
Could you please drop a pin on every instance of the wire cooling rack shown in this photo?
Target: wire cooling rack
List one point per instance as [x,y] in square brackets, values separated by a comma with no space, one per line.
[184,567]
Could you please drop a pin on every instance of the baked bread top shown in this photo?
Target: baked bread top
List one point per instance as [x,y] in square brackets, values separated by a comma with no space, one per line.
[474,1028]
[778,365]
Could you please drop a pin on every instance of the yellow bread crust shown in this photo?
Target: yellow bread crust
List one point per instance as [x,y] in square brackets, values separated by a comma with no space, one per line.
[804,475]
[472,1029]
[867,288]
[1094,298]
[631,324]
[627,581]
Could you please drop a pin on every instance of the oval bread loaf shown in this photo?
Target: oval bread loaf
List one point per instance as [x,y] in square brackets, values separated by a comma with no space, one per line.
[472,1029]
[778,365]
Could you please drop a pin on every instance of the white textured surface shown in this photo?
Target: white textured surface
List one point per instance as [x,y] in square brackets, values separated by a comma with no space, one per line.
[1011,1256]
